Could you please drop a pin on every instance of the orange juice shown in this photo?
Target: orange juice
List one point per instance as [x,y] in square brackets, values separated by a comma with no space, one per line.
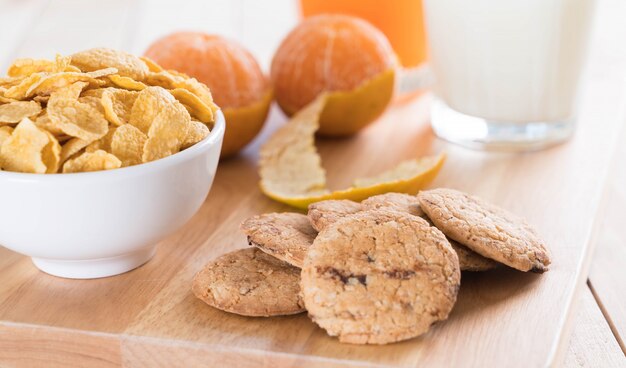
[400,20]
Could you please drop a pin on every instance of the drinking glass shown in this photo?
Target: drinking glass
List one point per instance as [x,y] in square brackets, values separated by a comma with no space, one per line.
[507,72]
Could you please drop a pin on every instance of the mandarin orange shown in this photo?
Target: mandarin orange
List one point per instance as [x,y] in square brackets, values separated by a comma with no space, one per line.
[340,54]
[230,71]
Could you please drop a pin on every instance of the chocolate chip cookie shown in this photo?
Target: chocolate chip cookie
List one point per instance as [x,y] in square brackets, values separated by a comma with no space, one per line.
[286,236]
[250,283]
[486,229]
[377,277]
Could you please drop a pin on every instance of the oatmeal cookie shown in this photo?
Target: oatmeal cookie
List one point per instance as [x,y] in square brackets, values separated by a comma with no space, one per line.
[394,201]
[286,236]
[377,277]
[250,283]
[324,213]
[468,259]
[486,229]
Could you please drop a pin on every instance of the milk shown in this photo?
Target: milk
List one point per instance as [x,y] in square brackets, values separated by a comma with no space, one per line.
[509,60]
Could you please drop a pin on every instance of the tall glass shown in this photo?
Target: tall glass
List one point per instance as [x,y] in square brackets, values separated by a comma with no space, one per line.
[507,71]
[400,20]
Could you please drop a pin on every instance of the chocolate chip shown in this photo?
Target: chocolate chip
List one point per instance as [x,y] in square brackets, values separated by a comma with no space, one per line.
[344,277]
[400,274]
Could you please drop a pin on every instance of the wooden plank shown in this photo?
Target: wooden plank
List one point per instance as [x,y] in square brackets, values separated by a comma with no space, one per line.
[592,343]
[607,268]
[605,62]
[148,352]
[39,346]
[501,318]
[607,272]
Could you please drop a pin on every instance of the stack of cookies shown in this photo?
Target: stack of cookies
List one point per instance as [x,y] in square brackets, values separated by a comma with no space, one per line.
[375,272]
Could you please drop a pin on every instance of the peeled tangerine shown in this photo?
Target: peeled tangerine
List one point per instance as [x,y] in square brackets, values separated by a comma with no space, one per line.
[340,54]
[230,71]
[291,169]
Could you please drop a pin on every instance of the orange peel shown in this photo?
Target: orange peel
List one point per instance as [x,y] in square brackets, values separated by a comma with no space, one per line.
[340,118]
[291,169]
[247,121]
[340,54]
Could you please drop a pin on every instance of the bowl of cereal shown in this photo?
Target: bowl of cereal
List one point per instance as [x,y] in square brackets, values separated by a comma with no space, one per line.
[102,155]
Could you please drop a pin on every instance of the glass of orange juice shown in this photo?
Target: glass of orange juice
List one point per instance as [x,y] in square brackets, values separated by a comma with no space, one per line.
[400,20]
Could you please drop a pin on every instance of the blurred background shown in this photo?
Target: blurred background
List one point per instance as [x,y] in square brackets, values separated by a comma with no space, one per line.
[43,28]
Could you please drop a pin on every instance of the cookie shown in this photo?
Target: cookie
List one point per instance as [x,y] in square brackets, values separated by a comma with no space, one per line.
[286,236]
[324,213]
[377,277]
[468,259]
[394,201]
[486,229]
[250,283]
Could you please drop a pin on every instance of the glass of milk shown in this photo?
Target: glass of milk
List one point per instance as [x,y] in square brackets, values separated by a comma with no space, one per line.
[507,71]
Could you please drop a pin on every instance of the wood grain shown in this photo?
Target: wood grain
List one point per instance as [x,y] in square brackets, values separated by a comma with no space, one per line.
[42,346]
[608,271]
[592,343]
[148,317]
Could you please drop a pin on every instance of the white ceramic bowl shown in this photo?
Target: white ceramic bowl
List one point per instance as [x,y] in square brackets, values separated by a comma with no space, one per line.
[104,223]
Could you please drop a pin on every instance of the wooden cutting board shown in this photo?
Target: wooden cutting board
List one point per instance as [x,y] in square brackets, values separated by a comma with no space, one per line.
[148,317]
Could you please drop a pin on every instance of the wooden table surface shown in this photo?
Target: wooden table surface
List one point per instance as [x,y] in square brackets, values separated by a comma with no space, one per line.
[574,194]
[597,338]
